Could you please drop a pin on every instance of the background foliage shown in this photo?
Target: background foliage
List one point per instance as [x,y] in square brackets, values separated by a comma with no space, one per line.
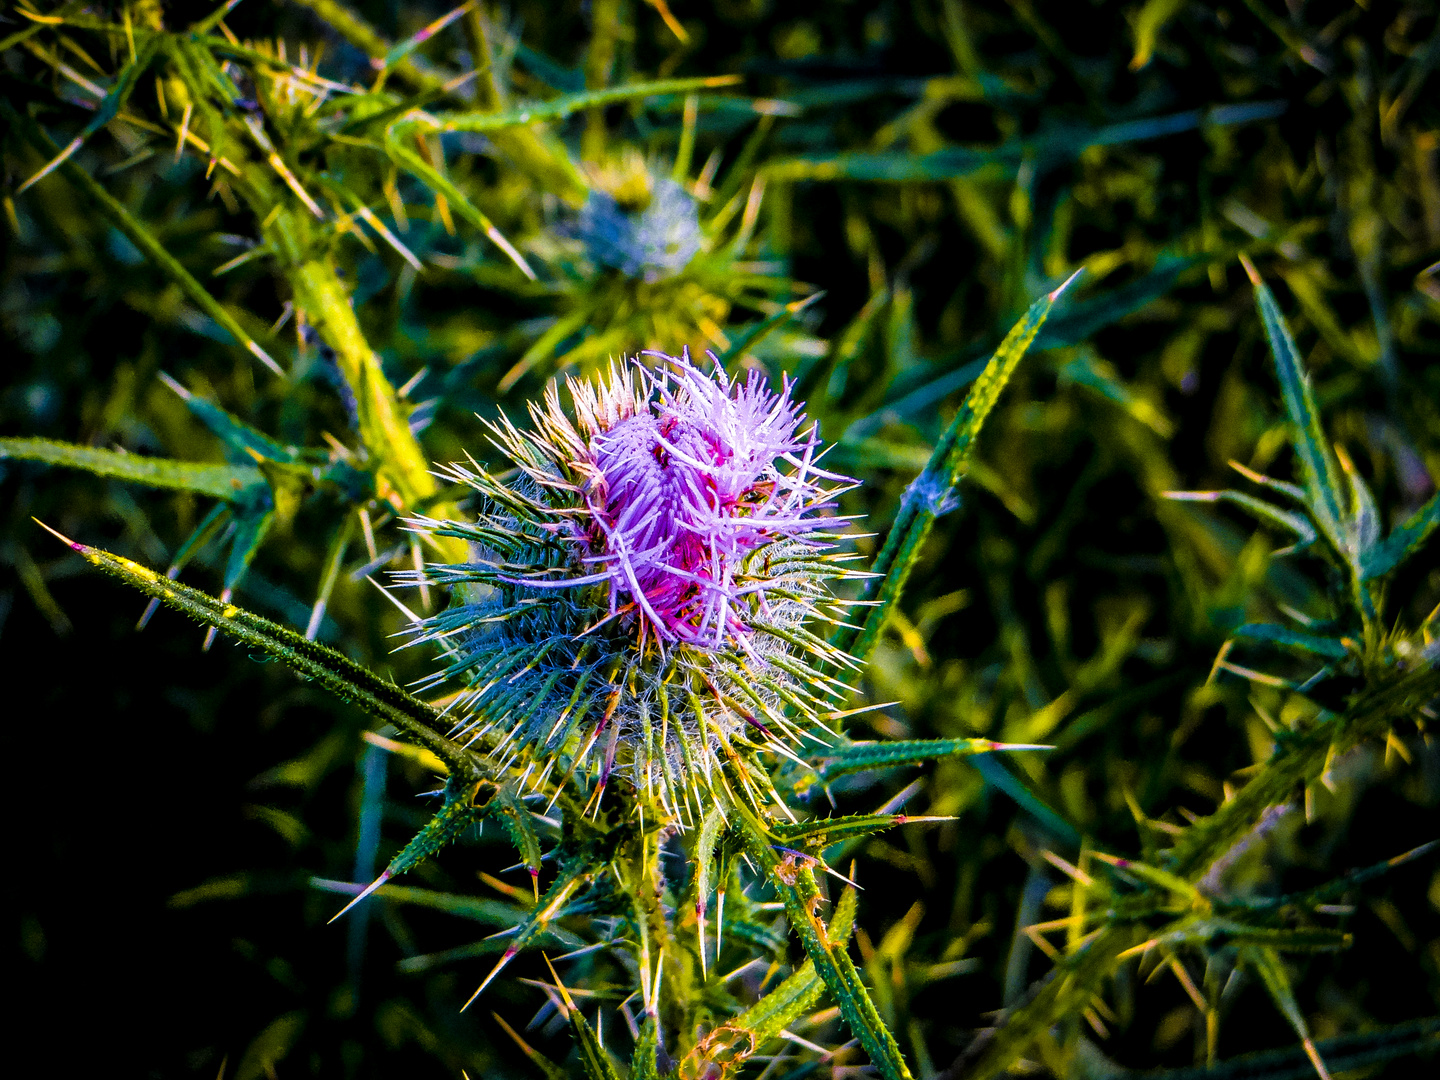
[933,168]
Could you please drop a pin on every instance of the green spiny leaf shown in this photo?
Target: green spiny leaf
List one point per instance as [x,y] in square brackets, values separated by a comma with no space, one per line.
[1266,963]
[456,814]
[242,441]
[437,181]
[560,107]
[1404,540]
[1258,508]
[519,825]
[1318,468]
[548,1068]
[336,672]
[731,1043]
[1343,1054]
[929,494]
[593,1058]
[822,832]
[1330,648]
[113,102]
[643,1062]
[860,756]
[250,531]
[220,481]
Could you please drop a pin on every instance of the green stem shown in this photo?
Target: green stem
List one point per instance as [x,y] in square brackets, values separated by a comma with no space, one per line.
[795,881]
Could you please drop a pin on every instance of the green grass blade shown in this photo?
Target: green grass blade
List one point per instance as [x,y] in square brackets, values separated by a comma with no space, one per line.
[1002,779]
[1061,144]
[1070,327]
[218,481]
[1404,540]
[333,670]
[1081,321]
[929,494]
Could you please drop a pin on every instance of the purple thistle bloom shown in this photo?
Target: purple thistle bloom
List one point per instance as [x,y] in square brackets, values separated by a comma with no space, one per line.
[643,587]
[685,488]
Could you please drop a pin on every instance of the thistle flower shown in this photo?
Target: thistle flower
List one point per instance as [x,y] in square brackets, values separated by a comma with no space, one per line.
[646,227]
[650,244]
[639,594]
[653,258]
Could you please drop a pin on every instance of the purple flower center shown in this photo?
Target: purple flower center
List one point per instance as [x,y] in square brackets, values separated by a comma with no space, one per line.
[690,488]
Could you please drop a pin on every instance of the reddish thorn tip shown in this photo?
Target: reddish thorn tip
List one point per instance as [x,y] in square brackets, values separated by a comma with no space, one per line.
[1055,295]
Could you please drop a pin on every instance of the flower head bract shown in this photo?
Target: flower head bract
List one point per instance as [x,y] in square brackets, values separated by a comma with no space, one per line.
[641,589]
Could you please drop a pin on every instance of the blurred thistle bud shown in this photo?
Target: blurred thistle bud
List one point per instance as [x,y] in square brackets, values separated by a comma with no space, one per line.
[640,592]
[646,228]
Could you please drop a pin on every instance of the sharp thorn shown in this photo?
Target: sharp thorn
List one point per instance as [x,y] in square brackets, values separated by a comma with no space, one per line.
[505,959]
[1055,295]
[61,537]
[384,877]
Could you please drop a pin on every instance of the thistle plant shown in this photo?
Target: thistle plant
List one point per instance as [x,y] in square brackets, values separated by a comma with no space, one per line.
[669,746]
[644,226]
[684,509]
[646,587]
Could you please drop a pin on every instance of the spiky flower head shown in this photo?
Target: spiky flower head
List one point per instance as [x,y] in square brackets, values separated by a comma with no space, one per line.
[640,594]
[646,227]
